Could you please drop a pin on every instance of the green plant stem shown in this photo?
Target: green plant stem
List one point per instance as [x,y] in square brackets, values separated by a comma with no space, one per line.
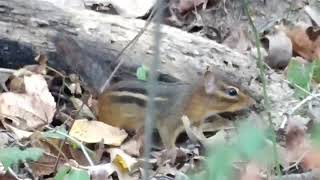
[264,84]
[151,88]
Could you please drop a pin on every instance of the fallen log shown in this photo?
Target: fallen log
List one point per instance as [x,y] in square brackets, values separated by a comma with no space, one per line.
[87,42]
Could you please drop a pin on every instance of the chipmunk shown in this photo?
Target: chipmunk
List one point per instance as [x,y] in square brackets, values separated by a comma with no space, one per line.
[124,103]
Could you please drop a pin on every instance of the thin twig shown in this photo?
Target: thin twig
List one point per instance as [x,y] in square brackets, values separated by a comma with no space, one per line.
[65,139]
[299,87]
[13,174]
[63,82]
[83,148]
[295,164]
[133,41]
[151,87]
[295,108]
[264,83]
[292,111]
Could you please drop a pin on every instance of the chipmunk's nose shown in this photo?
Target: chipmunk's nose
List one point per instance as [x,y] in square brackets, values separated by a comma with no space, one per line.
[252,102]
[255,105]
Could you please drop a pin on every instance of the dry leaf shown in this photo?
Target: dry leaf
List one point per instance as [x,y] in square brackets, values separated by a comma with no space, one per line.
[18,132]
[36,86]
[85,111]
[95,131]
[133,146]
[123,161]
[305,41]
[45,165]
[279,49]
[31,110]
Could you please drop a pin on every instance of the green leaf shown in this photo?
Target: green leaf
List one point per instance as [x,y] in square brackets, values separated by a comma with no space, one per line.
[54,135]
[143,73]
[316,70]
[250,141]
[13,155]
[300,74]
[72,174]
[220,163]
[62,172]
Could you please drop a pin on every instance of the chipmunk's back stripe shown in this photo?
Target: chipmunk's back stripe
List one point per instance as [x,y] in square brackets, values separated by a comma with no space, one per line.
[129,100]
[131,97]
[134,90]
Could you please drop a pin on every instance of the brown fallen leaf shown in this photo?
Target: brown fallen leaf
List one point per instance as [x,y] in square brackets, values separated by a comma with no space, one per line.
[305,41]
[279,49]
[45,165]
[95,131]
[31,110]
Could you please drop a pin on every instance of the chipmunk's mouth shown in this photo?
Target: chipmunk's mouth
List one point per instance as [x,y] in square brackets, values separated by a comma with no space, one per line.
[232,115]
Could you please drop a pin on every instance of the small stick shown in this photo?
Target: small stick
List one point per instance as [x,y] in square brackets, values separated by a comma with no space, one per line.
[65,139]
[134,40]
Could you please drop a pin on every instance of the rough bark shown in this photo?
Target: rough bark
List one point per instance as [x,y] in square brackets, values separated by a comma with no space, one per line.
[36,26]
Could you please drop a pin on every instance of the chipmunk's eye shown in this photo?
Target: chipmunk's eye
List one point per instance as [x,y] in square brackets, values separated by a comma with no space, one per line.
[232,91]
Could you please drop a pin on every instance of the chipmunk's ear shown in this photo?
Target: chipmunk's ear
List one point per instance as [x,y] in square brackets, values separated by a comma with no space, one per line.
[210,84]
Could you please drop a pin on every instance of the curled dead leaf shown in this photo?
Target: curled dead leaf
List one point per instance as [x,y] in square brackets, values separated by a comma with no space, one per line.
[279,49]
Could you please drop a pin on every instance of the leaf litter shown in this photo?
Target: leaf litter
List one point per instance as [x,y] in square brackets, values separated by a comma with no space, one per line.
[29,110]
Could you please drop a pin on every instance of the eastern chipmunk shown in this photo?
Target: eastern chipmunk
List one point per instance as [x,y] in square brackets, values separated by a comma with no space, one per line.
[124,103]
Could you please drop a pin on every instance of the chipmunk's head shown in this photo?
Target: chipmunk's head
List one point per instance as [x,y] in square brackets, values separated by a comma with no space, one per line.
[222,95]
